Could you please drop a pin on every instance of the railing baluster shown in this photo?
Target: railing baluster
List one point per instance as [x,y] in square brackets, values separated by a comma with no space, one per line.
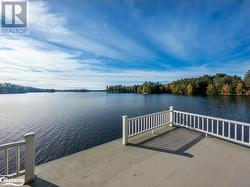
[134,126]
[229,130]
[144,124]
[157,117]
[182,120]
[6,160]
[163,118]
[217,126]
[207,125]
[17,159]
[198,122]
[212,121]
[202,121]
[148,122]
[129,123]
[249,134]
[223,128]
[235,131]
[151,122]
[141,125]
[149,118]
[155,120]
[137,126]
[194,122]
[242,133]
[133,123]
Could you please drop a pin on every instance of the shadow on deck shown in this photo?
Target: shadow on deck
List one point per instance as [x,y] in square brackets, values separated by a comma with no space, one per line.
[41,183]
[176,141]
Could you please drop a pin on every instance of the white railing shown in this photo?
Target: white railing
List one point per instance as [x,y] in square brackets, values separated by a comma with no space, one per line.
[230,130]
[138,125]
[234,131]
[29,166]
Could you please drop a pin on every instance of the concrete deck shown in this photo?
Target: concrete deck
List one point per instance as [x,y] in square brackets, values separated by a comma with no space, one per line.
[179,157]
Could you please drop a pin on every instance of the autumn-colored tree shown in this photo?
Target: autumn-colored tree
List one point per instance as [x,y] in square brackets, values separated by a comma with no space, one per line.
[225,90]
[212,90]
[239,88]
[189,89]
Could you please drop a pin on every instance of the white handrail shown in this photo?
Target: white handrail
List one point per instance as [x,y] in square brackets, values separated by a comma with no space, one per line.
[13,144]
[28,142]
[152,114]
[215,118]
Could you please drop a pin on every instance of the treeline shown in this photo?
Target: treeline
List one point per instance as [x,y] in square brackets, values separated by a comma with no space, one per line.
[146,88]
[219,84]
[8,88]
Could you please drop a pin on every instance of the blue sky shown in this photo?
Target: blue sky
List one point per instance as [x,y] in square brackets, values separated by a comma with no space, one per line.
[91,44]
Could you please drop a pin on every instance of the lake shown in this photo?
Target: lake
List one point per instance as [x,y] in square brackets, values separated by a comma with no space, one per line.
[65,123]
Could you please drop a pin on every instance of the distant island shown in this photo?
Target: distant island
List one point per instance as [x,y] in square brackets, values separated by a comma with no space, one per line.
[8,88]
[219,84]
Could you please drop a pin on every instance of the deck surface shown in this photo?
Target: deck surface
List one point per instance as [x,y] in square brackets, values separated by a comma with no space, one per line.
[179,158]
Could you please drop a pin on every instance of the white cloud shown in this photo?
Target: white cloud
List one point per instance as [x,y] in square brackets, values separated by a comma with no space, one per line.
[96,36]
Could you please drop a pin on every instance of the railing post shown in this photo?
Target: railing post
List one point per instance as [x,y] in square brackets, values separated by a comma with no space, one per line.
[29,157]
[124,130]
[171,109]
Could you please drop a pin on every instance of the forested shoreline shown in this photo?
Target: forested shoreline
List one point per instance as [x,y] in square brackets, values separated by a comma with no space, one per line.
[8,88]
[219,84]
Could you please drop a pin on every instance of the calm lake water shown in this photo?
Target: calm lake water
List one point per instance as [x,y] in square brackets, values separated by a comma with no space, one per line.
[65,123]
